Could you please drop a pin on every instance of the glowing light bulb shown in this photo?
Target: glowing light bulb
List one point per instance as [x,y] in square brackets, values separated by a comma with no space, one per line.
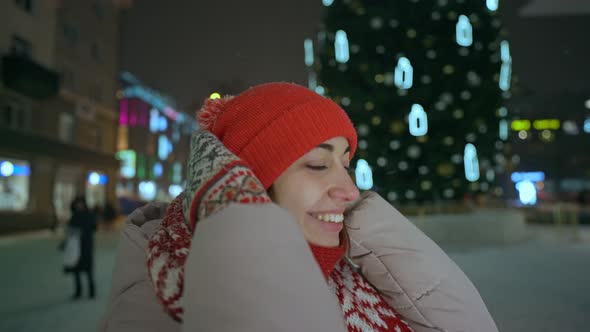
[364,175]
[464,31]
[341,47]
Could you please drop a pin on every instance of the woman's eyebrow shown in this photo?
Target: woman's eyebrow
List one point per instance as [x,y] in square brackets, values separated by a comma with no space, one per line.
[330,147]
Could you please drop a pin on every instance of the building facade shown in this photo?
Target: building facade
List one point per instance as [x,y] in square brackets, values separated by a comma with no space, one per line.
[58,125]
[153,143]
[549,138]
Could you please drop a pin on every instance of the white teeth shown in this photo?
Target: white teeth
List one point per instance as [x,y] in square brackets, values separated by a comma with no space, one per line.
[330,217]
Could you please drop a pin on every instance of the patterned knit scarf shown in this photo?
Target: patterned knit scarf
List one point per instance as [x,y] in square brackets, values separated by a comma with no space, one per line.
[363,308]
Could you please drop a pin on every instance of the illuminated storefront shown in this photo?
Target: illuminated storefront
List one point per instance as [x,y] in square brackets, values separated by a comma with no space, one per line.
[14,184]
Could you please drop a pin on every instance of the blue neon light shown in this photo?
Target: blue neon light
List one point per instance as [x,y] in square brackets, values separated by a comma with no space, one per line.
[364,175]
[8,168]
[164,147]
[527,192]
[404,74]
[464,31]
[95,178]
[471,163]
[418,121]
[527,176]
[163,123]
[341,47]
[158,169]
[154,120]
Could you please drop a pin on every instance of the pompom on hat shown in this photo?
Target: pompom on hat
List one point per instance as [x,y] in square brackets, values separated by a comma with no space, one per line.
[270,126]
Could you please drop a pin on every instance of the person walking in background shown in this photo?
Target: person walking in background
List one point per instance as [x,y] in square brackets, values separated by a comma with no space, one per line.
[80,230]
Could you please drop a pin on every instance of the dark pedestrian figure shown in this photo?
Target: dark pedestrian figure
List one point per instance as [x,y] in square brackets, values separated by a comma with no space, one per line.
[82,224]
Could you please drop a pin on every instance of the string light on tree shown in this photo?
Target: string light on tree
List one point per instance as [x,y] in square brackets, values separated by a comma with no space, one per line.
[363,175]
[506,69]
[320,90]
[503,127]
[418,121]
[308,48]
[312,81]
[327,3]
[471,163]
[464,31]
[451,83]
[492,5]
[404,73]
[341,47]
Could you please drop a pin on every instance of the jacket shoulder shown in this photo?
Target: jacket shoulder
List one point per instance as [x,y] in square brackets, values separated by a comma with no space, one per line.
[413,273]
[133,305]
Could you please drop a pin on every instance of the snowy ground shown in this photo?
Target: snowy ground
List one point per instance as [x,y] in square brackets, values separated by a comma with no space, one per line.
[539,285]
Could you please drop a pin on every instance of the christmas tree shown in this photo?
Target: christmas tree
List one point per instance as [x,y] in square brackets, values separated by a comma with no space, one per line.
[424,83]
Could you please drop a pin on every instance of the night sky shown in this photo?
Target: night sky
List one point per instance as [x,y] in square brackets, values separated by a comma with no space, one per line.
[191,49]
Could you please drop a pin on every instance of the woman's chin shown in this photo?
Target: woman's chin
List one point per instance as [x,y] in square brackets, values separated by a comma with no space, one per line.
[330,242]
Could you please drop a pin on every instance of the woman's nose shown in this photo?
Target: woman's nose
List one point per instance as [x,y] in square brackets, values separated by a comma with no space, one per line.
[344,189]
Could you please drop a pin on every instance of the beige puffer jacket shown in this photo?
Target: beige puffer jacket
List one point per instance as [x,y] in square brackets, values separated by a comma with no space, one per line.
[237,279]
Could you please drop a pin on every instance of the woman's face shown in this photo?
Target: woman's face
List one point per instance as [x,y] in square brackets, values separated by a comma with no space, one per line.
[317,189]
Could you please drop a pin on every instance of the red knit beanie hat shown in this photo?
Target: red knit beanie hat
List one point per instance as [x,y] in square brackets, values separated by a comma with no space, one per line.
[270,126]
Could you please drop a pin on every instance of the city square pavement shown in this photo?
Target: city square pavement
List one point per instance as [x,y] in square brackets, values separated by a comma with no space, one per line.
[542,284]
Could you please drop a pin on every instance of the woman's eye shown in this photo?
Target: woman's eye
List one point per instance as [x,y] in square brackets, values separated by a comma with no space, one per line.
[317,168]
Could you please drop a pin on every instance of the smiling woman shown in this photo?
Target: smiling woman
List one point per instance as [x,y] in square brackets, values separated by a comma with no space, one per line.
[257,241]
[316,189]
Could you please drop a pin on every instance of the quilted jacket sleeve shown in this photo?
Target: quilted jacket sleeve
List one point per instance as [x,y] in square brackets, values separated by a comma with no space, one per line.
[250,269]
[412,273]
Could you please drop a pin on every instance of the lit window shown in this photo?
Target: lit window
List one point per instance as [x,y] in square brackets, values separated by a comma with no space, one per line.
[158,169]
[154,120]
[66,127]
[14,187]
[147,190]
[128,163]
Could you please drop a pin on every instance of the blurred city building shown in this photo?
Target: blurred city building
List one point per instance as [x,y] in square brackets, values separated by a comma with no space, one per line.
[152,144]
[58,108]
[550,134]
